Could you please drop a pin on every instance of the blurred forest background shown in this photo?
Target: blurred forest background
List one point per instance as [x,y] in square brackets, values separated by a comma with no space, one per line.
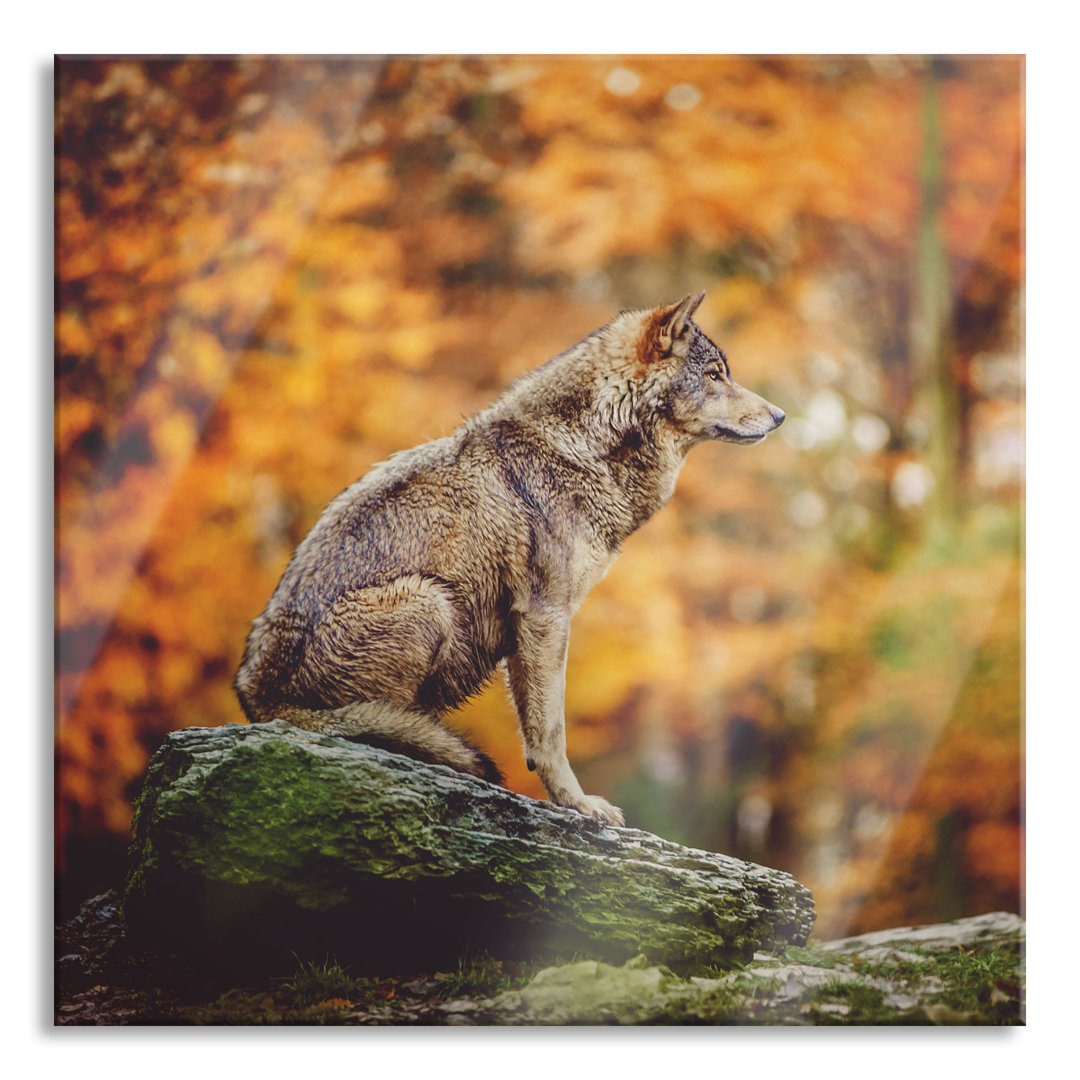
[272,273]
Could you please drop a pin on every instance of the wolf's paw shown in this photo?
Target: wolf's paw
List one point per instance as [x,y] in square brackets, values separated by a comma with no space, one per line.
[595,807]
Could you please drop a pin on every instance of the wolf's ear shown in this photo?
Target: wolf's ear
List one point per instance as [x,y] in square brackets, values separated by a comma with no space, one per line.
[674,322]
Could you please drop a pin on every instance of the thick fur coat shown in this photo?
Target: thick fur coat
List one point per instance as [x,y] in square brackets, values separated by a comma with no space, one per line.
[476,549]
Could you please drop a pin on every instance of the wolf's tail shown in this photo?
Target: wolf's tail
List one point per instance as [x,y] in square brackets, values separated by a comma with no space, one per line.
[400,730]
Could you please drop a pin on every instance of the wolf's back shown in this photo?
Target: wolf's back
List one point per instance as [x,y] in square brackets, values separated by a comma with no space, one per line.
[399,593]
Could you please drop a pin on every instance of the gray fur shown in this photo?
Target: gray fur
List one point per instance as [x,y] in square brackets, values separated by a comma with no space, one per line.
[477,548]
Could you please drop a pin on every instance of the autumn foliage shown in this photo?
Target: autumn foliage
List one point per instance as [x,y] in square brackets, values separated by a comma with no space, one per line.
[273,273]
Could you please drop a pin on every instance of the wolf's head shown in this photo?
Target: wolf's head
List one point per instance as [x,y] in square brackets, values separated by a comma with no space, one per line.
[686,382]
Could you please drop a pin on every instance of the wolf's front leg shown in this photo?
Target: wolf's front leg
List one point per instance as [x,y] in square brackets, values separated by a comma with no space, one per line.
[536,672]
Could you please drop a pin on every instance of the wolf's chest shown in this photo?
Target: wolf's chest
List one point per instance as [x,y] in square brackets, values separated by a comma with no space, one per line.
[587,566]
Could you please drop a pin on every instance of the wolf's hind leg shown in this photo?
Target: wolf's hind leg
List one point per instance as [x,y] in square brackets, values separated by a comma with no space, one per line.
[382,644]
[400,730]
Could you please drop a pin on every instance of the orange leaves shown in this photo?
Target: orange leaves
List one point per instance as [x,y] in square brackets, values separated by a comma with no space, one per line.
[576,212]
[993,851]
[355,186]
[200,239]
[237,292]
[72,421]
[359,302]
[710,149]
[208,364]
[129,248]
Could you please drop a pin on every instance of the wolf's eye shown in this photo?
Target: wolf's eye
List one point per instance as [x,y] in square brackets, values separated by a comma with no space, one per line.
[713,373]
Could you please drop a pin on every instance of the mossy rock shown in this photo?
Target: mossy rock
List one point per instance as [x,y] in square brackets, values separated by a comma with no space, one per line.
[254,843]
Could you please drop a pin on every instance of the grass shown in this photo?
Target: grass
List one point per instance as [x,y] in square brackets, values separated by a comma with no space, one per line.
[480,975]
[314,982]
[990,981]
[713,971]
[477,975]
[987,982]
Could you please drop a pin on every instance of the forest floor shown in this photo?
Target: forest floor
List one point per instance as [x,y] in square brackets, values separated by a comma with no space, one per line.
[967,972]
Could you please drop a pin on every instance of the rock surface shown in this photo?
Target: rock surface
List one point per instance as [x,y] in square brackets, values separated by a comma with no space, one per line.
[963,973]
[254,843]
[996,928]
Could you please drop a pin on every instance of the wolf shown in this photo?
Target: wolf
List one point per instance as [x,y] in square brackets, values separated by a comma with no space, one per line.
[475,550]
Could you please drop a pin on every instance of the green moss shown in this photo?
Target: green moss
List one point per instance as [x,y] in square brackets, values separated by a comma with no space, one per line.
[865,1002]
[814,955]
[982,985]
[266,819]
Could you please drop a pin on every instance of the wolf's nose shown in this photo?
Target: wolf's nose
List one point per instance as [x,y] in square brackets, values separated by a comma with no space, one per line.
[777,415]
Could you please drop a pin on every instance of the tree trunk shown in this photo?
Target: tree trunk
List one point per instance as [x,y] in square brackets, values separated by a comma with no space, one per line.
[933,338]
